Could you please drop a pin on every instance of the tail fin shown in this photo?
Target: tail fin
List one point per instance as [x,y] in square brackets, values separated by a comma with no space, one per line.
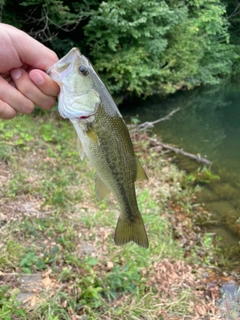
[128,230]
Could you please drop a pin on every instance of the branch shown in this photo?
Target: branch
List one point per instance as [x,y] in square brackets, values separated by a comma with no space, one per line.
[42,25]
[147,125]
[235,12]
[198,158]
[154,143]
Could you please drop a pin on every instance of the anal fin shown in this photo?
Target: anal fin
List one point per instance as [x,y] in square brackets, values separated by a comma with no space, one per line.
[100,189]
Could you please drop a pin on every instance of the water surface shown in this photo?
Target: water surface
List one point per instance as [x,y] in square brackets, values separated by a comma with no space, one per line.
[208,124]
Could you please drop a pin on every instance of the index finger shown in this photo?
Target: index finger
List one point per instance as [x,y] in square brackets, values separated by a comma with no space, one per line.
[31,51]
[36,55]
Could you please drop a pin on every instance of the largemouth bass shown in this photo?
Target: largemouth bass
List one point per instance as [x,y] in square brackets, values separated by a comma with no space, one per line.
[104,138]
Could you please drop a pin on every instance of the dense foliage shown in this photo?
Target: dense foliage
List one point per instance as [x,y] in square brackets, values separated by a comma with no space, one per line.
[139,47]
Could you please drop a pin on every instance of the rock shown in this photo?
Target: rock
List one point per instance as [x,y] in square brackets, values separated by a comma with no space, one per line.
[87,248]
[226,191]
[220,209]
[207,195]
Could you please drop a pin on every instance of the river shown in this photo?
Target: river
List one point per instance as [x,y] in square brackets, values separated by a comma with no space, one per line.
[208,124]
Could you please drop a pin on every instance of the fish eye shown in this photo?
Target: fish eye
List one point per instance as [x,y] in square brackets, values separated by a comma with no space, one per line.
[83,70]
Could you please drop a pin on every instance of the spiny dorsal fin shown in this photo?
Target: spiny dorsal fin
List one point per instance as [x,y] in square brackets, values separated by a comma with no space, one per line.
[100,189]
[141,174]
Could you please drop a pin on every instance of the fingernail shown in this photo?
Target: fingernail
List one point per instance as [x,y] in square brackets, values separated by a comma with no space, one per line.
[16,73]
[37,78]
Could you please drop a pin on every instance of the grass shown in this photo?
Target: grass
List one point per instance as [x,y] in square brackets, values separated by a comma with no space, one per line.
[52,224]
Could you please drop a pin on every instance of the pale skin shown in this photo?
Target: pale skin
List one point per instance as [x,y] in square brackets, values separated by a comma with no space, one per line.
[23,80]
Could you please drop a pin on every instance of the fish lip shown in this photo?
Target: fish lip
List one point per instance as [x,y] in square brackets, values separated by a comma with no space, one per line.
[53,74]
[49,71]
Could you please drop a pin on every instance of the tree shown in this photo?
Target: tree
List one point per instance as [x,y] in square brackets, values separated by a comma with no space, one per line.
[138,47]
[151,47]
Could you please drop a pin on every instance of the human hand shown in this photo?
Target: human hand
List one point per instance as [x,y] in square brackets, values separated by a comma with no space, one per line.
[23,82]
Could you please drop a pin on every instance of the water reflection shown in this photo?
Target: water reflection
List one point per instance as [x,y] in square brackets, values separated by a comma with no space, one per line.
[208,122]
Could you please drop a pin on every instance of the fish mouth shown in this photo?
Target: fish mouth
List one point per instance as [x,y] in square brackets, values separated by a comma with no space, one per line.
[49,70]
[52,73]
[66,60]
[63,66]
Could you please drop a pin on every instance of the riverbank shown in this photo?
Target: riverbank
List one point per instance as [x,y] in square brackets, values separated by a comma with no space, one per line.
[55,231]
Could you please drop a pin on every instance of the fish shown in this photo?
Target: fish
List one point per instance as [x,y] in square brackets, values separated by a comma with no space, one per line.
[104,138]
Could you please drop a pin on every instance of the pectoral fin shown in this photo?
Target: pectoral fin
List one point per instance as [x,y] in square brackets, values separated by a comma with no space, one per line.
[92,135]
[80,149]
[100,189]
[141,174]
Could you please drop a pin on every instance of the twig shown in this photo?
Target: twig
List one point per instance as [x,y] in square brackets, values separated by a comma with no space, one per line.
[235,11]
[42,25]
[9,274]
[197,157]
[146,125]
